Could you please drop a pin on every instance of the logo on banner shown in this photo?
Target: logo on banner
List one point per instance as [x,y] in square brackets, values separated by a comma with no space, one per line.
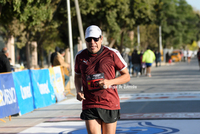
[7,96]
[1,97]
[44,89]
[136,128]
[26,91]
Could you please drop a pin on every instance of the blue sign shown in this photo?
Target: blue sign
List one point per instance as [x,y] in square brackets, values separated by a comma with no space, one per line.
[43,92]
[8,98]
[24,91]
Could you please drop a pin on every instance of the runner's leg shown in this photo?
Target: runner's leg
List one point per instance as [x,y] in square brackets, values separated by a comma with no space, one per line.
[149,71]
[93,126]
[109,128]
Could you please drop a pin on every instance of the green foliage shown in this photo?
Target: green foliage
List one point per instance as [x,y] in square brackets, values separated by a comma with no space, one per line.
[148,36]
[45,21]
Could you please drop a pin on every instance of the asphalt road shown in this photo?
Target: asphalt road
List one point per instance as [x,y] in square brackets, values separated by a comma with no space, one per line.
[171,89]
[180,77]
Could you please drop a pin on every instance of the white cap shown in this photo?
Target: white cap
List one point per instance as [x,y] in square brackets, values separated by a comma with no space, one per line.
[93,31]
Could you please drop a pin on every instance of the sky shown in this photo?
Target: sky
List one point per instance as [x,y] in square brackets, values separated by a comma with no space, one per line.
[194,3]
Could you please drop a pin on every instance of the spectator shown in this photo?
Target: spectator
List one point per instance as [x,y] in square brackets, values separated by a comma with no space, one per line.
[189,55]
[167,56]
[198,56]
[136,61]
[158,58]
[59,61]
[143,65]
[11,66]
[125,56]
[184,55]
[130,65]
[4,62]
[53,55]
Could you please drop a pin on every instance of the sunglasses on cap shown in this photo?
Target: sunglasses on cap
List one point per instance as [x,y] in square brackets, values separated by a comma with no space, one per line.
[90,39]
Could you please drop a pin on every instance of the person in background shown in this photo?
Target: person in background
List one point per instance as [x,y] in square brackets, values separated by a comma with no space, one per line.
[143,65]
[167,57]
[125,56]
[4,62]
[11,66]
[148,58]
[136,61]
[59,61]
[96,83]
[53,55]
[189,55]
[198,57]
[158,58]
[130,65]
[184,55]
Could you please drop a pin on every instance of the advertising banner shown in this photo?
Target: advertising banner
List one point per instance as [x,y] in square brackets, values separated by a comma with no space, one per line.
[8,98]
[57,82]
[24,91]
[43,92]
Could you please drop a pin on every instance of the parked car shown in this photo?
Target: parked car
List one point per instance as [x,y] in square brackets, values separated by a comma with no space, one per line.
[176,56]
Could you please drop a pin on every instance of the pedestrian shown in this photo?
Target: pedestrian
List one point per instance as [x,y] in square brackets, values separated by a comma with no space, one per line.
[125,56]
[96,83]
[143,65]
[189,55]
[4,62]
[198,57]
[184,55]
[148,57]
[53,55]
[158,58]
[136,61]
[59,61]
[167,57]
[130,65]
[11,65]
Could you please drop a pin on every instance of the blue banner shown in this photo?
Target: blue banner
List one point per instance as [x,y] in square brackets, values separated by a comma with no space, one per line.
[24,91]
[8,98]
[43,92]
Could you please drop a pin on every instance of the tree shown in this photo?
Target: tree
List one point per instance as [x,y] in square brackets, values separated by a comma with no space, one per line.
[149,36]
[29,18]
[188,21]
[178,22]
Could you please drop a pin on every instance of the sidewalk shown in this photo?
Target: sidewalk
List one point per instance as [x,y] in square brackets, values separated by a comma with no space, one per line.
[20,123]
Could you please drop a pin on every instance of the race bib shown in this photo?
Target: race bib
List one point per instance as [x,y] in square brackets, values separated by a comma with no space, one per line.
[93,81]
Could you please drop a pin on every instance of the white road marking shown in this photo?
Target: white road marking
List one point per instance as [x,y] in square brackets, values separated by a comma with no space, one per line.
[130,116]
[175,96]
[139,97]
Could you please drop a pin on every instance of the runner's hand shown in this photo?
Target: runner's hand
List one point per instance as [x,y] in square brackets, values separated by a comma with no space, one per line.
[80,96]
[104,84]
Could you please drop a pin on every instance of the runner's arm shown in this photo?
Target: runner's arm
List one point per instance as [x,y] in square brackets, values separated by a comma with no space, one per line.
[78,85]
[124,78]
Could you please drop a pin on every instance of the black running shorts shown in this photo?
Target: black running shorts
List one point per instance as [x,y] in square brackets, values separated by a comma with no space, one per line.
[107,116]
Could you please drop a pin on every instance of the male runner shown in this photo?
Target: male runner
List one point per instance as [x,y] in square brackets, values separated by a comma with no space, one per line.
[95,83]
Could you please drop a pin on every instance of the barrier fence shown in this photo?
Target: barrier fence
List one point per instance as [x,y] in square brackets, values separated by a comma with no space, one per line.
[23,91]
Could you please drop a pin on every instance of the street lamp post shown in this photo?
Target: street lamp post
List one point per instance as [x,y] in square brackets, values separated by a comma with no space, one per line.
[138,36]
[80,25]
[70,38]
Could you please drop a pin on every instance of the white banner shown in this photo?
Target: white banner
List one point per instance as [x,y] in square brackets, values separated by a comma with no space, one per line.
[57,82]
